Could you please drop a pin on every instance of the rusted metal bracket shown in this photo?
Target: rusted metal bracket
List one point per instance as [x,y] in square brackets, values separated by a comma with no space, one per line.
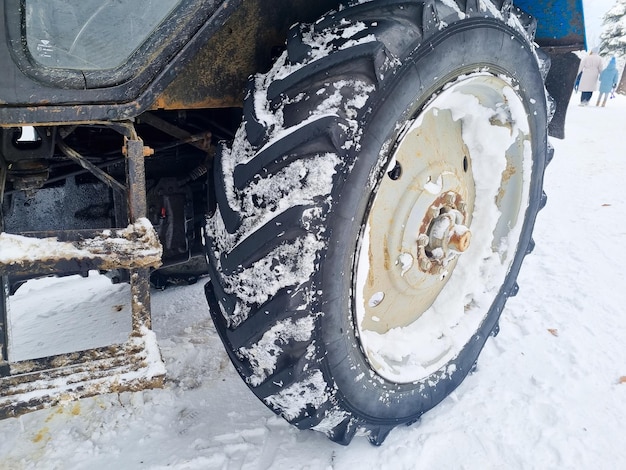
[137,209]
[87,165]
[80,251]
[201,141]
[134,365]
[4,337]
[4,285]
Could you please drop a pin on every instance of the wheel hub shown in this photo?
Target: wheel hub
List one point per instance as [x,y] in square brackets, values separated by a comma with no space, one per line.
[446,236]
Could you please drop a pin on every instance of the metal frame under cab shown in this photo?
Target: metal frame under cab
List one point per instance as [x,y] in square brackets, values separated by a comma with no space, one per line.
[134,365]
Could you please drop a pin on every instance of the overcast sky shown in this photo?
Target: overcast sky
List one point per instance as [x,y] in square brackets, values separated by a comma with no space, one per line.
[594,12]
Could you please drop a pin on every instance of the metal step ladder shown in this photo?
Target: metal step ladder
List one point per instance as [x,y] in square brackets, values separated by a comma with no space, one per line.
[134,365]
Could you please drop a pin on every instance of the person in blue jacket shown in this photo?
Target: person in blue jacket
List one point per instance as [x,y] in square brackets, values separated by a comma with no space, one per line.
[608,81]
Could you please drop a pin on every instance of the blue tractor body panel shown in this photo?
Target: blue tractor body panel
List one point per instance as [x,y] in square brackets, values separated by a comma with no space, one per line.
[560,32]
[560,23]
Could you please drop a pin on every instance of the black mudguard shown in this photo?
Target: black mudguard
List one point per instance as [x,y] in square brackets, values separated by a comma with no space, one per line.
[560,85]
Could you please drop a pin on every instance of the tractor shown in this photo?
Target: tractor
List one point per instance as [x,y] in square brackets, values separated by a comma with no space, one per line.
[356,182]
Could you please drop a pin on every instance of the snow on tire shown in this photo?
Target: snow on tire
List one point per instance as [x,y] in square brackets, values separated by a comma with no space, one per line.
[374,209]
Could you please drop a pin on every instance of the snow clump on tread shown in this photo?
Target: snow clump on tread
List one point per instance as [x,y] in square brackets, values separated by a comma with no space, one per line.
[299,183]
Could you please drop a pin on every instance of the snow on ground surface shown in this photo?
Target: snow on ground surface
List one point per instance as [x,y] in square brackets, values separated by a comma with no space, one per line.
[549,391]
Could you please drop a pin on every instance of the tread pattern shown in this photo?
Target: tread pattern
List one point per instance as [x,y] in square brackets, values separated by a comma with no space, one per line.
[299,121]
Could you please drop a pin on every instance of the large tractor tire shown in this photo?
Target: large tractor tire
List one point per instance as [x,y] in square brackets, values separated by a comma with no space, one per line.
[375,207]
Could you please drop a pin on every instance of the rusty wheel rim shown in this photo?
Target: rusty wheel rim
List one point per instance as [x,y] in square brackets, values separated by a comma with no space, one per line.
[422,236]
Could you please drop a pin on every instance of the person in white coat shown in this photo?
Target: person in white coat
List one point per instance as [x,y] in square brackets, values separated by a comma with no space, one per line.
[590,68]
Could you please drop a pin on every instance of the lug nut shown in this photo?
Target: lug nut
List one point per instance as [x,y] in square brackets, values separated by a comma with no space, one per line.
[425,264]
[460,239]
[423,240]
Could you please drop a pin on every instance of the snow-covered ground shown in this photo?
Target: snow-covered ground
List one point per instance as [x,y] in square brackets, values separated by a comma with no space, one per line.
[549,391]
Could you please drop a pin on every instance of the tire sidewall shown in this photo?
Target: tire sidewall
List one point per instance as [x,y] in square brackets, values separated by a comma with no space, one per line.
[481,44]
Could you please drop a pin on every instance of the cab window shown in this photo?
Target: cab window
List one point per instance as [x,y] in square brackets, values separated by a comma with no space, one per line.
[90,34]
